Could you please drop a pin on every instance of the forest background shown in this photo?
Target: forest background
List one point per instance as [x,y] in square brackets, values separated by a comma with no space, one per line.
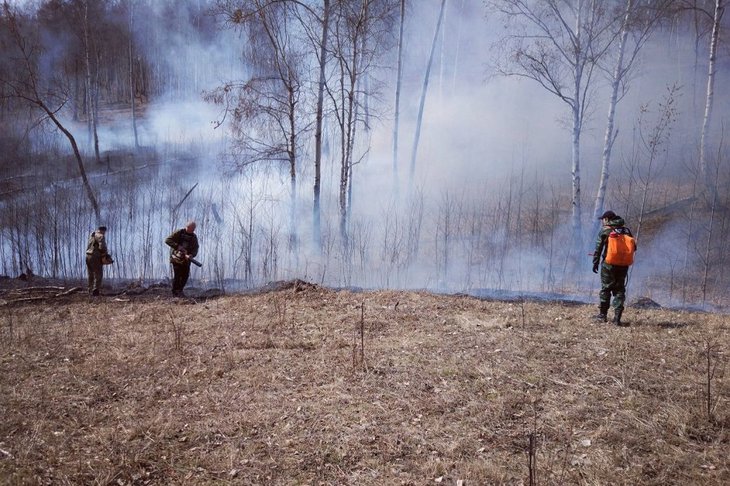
[455,145]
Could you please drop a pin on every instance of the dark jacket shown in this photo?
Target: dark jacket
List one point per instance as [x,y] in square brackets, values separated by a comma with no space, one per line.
[181,238]
[617,225]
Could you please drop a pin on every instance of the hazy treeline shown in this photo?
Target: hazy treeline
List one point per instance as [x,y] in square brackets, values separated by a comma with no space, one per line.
[370,142]
[158,31]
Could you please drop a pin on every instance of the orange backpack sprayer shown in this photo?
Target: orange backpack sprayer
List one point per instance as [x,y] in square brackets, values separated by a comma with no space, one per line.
[621,248]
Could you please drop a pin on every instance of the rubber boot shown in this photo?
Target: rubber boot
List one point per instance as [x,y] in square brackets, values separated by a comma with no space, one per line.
[617,317]
[602,315]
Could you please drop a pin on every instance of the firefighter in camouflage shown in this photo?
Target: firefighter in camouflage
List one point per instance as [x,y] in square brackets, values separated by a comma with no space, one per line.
[613,277]
[95,252]
[184,245]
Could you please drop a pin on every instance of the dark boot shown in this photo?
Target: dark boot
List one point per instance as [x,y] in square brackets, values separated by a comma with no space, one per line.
[617,317]
[602,315]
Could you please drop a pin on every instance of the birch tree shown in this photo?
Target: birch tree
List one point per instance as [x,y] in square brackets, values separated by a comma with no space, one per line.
[318,124]
[710,94]
[267,110]
[361,34]
[398,82]
[424,91]
[25,81]
[635,28]
[350,27]
[559,45]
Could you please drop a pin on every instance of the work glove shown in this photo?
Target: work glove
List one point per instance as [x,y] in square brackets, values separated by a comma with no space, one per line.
[595,268]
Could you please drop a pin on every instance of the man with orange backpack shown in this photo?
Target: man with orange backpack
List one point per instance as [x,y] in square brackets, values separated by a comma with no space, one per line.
[615,247]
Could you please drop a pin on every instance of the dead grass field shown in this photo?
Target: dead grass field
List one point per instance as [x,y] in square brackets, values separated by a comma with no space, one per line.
[273,389]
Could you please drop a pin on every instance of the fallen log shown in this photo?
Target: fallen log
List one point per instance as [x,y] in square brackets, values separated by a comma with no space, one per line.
[34,289]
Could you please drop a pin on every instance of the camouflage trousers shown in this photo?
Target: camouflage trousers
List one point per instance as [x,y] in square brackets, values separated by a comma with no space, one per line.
[95,271]
[613,282]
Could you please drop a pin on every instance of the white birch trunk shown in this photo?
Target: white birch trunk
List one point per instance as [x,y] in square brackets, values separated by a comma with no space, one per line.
[610,135]
[398,81]
[577,121]
[424,90]
[704,169]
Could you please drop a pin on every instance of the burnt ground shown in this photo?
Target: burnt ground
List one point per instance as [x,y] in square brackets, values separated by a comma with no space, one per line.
[300,384]
[21,290]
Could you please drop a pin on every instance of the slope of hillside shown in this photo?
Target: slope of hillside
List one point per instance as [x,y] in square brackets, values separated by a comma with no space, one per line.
[306,385]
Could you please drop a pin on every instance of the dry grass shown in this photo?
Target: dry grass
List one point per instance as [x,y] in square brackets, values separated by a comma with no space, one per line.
[264,389]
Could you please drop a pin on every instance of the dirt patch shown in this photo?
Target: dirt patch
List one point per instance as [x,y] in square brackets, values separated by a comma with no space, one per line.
[38,290]
[308,385]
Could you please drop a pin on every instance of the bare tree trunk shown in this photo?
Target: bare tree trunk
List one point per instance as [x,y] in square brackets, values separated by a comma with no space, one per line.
[696,64]
[316,208]
[424,90]
[398,81]
[77,94]
[708,246]
[577,107]
[704,169]
[91,109]
[713,213]
[455,70]
[610,136]
[442,50]
[131,73]
[349,120]
[364,79]
[95,106]
[79,161]
[346,169]
[345,130]
[293,237]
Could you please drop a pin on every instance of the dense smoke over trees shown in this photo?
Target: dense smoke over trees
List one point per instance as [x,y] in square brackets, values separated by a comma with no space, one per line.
[290,120]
